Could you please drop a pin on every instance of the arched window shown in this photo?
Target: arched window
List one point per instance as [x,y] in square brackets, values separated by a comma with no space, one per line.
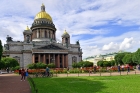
[74,59]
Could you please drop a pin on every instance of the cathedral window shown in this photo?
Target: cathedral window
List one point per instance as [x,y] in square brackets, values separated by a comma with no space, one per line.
[74,59]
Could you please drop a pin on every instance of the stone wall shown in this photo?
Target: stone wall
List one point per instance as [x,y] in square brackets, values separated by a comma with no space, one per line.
[27,47]
[15,47]
[69,60]
[27,59]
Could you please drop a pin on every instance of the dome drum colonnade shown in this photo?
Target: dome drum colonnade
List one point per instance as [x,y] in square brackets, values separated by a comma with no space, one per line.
[43,26]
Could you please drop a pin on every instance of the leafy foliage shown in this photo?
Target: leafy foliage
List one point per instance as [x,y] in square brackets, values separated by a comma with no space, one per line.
[1,50]
[100,63]
[2,64]
[38,65]
[82,64]
[127,59]
[136,57]
[9,62]
[106,63]
[15,68]
[119,57]
[51,65]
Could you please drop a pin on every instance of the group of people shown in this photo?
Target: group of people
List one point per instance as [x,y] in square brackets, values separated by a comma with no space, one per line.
[23,73]
[122,68]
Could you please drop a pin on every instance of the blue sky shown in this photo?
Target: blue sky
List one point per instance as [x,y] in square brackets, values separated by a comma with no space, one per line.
[101,26]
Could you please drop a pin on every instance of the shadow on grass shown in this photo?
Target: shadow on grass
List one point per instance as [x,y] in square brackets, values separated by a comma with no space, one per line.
[69,85]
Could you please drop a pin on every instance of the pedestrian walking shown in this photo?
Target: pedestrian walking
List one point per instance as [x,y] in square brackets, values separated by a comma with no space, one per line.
[122,67]
[48,71]
[118,68]
[26,73]
[94,68]
[128,68]
[22,74]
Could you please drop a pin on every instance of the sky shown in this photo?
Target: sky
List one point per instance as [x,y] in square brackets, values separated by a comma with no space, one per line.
[101,26]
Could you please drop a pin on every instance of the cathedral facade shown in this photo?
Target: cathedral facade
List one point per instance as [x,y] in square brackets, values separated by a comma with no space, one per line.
[40,45]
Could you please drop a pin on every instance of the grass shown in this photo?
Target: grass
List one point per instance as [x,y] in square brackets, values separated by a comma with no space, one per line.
[103,84]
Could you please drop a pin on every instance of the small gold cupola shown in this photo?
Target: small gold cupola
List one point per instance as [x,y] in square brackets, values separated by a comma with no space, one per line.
[27,28]
[65,34]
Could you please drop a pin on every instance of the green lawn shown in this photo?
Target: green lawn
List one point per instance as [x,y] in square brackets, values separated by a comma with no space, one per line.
[103,84]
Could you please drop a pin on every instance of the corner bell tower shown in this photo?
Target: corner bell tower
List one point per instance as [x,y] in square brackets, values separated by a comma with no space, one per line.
[27,35]
[65,39]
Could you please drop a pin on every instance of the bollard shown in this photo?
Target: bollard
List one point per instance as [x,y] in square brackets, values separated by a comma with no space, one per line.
[127,73]
[135,72]
[78,74]
[110,72]
[120,72]
[89,73]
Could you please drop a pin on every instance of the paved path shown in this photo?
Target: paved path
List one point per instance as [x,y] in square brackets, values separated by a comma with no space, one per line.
[10,83]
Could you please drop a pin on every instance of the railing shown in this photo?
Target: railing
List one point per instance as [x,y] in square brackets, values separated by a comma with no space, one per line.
[108,73]
[42,74]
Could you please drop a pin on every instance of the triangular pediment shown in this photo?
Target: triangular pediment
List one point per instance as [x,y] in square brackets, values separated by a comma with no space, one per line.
[51,47]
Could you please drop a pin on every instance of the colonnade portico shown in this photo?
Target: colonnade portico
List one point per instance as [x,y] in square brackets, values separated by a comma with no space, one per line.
[60,60]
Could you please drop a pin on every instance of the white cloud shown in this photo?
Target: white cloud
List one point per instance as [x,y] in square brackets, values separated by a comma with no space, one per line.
[110,46]
[78,17]
[126,44]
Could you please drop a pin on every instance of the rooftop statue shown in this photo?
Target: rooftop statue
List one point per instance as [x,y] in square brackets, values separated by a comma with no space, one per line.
[6,46]
[9,38]
[77,42]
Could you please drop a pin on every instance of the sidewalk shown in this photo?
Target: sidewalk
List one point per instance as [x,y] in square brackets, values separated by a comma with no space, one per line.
[10,83]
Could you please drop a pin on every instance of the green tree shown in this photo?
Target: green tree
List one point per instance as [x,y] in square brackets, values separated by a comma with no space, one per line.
[112,62]
[136,57]
[105,63]
[31,66]
[39,65]
[10,62]
[1,50]
[100,63]
[2,64]
[88,64]
[127,59]
[82,64]
[119,57]
[75,65]
[51,65]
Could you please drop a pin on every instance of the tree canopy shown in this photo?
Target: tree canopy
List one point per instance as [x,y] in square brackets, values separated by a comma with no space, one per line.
[9,62]
[1,49]
[127,59]
[136,57]
[82,64]
[119,57]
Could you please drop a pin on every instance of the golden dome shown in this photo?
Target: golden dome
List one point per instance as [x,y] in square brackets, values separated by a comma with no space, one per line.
[27,28]
[65,32]
[43,14]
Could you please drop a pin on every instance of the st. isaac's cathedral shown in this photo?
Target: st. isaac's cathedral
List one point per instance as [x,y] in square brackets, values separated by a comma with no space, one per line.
[40,44]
